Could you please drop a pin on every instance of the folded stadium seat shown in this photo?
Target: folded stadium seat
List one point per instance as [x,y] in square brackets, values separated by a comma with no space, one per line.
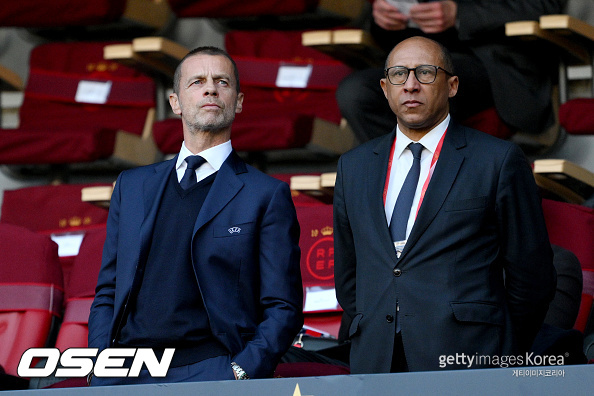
[271,66]
[576,116]
[249,133]
[265,57]
[299,198]
[74,105]
[34,13]
[80,291]
[74,13]
[322,312]
[572,227]
[57,211]
[239,8]
[31,292]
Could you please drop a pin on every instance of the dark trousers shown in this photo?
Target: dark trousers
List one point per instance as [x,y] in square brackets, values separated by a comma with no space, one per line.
[399,364]
[213,369]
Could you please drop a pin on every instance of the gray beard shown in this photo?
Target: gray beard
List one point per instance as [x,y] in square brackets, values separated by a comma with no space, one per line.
[213,128]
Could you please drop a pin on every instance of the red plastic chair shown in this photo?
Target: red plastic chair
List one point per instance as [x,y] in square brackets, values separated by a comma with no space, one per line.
[80,291]
[74,104]
[31,292]
[239,8]
[53,210]
[572,227]
[317,266]
[34,13]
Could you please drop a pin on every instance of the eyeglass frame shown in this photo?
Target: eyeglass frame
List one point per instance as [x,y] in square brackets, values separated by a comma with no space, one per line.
[414,69]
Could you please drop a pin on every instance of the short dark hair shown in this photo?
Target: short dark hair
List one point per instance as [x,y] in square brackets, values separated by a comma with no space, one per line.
[445,56]
[207,50]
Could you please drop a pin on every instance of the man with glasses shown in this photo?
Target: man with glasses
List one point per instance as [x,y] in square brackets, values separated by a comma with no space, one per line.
[441,250]
[512,76]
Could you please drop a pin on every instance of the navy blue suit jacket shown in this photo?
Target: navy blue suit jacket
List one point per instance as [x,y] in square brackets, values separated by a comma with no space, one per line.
[249,277]
[476,274]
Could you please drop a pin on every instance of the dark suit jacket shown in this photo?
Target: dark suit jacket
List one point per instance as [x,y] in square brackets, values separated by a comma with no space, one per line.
[520,72]
[480,221]
[250,280]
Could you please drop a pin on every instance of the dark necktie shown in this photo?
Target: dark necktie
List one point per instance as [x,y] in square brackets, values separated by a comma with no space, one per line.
[405,198]
[189,179]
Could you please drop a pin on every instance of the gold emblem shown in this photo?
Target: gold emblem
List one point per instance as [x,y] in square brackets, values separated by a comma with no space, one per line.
[327,231]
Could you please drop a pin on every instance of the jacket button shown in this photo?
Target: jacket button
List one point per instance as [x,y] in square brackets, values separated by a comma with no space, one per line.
[389,318]
[397,272]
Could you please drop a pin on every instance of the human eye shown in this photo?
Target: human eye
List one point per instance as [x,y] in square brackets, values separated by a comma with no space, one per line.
[399,72]
[425,70]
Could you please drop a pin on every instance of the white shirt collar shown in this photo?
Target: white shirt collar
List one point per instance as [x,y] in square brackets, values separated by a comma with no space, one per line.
[214,156]
[429,141]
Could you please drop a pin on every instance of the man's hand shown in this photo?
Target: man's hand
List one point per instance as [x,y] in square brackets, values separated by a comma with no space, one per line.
[388,17]
[434,17]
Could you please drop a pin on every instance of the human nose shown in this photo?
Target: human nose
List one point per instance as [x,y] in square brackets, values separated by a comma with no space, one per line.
[411,83]
[210,88]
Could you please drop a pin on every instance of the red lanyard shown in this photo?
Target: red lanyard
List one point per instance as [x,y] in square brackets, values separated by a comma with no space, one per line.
[431,169]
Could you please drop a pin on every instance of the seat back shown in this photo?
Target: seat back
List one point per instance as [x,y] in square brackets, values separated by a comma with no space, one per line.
[572,227]
[70,86]
[57,211]
[34,13]
[262,58]
[31,292]
[321,310]
[80,291]
[239,8]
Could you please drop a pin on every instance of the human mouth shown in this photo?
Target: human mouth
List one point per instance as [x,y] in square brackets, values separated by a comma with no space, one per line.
[210,105]
[412,103]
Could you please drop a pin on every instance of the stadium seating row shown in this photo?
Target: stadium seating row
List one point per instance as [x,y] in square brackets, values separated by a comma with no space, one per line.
[44,289]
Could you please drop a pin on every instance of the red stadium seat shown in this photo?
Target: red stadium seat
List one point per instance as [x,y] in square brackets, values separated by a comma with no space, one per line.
[261,54]
[53,210]
[80,291]
[239,8]
[572,227]
[110,15]
[273,117]
[317,268]
[576,116]
[31,292]
[74,104]
[248,133]
[34,13]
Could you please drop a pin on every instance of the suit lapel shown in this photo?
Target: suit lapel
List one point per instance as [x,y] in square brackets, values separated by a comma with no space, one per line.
[446,171]
[225,186]
[377,173]
[152,192]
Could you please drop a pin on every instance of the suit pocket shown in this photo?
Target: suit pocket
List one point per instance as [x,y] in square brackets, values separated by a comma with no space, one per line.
[477,312]
[233,230]
[466,204]
[354,327]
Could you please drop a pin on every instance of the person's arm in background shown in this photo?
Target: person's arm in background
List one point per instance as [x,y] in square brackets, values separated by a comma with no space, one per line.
[471,17]
[387,16]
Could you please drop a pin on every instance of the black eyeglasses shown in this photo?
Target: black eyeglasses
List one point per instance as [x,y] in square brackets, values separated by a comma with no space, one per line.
[425,74]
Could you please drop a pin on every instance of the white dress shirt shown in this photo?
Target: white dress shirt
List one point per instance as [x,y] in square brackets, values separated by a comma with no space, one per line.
[401,163]
[214,156]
